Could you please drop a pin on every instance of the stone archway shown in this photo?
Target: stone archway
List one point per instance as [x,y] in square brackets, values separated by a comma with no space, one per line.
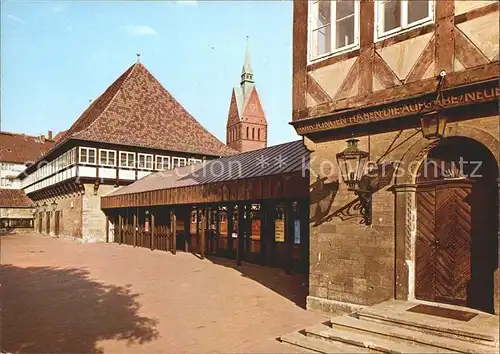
[406,213]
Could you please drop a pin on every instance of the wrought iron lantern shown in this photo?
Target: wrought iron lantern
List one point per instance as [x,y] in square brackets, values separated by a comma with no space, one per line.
[44,206]
[54,205]
[352,162]
[433,125]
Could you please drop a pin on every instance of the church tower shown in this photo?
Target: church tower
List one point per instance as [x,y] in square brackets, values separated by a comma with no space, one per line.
[246,127]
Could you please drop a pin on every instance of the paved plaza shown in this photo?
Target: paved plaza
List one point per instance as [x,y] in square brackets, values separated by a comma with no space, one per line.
[60,296]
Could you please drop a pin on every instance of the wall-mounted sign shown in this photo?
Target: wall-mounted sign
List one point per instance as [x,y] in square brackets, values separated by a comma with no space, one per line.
[256,229]
[279,231]
[397,109]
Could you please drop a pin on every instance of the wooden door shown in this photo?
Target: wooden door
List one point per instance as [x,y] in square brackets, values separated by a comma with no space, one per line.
[443,242]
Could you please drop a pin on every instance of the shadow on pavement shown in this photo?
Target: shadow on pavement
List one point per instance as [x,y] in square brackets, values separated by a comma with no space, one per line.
[52,310]
[294,286]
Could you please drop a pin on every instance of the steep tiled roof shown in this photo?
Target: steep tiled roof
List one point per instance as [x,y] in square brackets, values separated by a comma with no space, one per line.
[136,110]
[20,148]
[14,198]
[59,135]
[274,160]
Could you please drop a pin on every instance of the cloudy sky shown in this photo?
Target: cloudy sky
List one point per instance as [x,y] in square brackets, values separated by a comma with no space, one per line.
[57,56]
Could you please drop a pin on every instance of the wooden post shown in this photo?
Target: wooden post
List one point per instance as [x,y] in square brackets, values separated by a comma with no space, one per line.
[248,229]
[288,236]
[230,228]
[120,228]
[304,233]
[217,229]
[203,231]
[241,233]
[198,227]
[187,230]
[263,232]
[207,230]
[152,243]
[174,232]
[135,227]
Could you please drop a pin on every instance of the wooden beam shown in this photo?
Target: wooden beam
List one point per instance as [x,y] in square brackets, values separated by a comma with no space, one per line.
[136,210]
[187,229]
[366,53]
[230,227]
[288,236]
[241,233]
[299,70]
[174,232]
[217,229]
[153,226]
[263,232]
[424,61]
[316,91]
[445,38]
[120,228]
[203,232]
[465,51]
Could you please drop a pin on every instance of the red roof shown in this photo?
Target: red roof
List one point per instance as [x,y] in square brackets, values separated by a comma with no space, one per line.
[20,148]
[136,110]
[14,198]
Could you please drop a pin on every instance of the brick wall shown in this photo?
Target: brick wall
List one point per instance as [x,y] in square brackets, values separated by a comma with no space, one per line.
[350,263]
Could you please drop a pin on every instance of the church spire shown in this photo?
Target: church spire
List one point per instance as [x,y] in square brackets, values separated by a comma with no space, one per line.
[247,82]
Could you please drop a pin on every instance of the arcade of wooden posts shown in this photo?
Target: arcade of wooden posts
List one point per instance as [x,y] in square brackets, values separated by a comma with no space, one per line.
[252,206]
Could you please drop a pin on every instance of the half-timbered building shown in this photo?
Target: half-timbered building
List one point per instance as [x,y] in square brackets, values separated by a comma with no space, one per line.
[133,129]
[414,87]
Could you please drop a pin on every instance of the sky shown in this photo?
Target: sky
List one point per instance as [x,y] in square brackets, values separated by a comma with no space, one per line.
[57,56]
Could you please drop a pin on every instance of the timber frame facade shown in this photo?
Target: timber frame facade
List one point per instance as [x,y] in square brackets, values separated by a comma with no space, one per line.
[377,91]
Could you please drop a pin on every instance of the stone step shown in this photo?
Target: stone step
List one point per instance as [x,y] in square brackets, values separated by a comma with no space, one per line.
[316,345]
[431,324]
[393,331]
[369,341]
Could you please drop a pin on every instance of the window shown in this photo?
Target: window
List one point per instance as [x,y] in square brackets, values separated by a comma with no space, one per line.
[248,132]
[193,161]
[107,157]
[253,133]
[145,161]
[162,163]
[87,155]
[258,134]
[393,16]
[334,27]
[127,159]
[178,162]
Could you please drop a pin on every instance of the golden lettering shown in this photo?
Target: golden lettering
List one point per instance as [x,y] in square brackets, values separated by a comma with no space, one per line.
[405,109]
[479,95]
[454,100]
[497,91]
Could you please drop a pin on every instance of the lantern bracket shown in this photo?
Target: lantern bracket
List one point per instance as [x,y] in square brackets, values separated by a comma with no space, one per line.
[365,199]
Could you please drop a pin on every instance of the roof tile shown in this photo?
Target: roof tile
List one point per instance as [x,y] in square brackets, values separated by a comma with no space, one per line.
[136,110]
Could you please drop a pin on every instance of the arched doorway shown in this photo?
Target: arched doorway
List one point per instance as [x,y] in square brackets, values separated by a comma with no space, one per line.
[456,246]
